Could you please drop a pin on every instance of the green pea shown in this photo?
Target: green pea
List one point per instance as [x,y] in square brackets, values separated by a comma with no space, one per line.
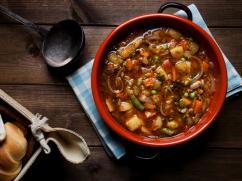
[192,95]
[186,94]
[153,92]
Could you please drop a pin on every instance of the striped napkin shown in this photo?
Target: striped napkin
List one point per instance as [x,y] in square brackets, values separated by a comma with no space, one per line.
[80,81]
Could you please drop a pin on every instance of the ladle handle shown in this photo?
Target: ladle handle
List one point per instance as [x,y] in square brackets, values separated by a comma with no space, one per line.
[22,20]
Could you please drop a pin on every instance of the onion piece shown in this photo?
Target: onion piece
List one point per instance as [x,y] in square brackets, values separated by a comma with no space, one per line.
[161,109]
[109,104]
[205,104]
[199,75]
[212,89]
[118,80]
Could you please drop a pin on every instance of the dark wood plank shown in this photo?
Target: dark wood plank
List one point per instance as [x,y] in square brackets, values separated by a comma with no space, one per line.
[19,56]
[59,104]
[111,12]
[195,164]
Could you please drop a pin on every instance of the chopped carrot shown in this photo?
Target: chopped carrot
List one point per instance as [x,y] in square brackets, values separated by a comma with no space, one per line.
[149,82]
[122,95]
[167,65]
[144,53]
[205,66]
[186,101]
[149,106]
[129,64]
[197,106]
[149,74]
[174,76]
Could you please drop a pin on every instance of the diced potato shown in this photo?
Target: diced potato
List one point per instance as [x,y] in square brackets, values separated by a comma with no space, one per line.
[174,34]
[172,124]
[134,123]
[125,106]
[157,123]
[109,104]
[183,66]
[116,59]
[145,131]
[161,72]
[194,48]
[126,51]
[177,52]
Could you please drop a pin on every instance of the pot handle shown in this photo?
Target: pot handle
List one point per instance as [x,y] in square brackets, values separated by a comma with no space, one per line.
[178,6]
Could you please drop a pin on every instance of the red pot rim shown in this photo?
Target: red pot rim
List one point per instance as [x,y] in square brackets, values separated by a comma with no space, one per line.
[205,121]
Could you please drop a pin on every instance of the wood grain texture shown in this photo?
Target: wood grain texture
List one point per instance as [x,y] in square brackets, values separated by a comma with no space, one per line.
[19,57]
[216,154]
[216,13]
[198,164]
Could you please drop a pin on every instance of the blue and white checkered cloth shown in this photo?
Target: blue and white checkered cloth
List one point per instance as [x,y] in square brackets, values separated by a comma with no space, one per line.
[81,84]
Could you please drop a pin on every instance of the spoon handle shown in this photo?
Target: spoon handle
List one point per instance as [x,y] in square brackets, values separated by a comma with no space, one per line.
[22,20]
[9,100]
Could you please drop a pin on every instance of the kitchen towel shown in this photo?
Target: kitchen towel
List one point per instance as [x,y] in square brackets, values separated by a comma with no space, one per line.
[80,81]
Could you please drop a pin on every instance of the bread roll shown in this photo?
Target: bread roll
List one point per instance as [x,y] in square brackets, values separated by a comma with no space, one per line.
[12,151]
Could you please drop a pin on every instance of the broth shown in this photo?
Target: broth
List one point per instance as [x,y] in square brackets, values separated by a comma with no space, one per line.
[157,83]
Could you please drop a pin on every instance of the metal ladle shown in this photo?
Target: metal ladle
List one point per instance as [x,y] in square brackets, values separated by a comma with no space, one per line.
[62,46]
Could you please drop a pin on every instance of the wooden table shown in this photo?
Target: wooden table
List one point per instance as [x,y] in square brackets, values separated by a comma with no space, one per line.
[215,155]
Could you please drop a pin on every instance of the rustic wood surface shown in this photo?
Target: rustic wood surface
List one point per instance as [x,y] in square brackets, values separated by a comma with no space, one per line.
[216,154]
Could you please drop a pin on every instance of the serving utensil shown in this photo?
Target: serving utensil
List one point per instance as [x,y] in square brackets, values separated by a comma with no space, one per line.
[2,130]
[61,46]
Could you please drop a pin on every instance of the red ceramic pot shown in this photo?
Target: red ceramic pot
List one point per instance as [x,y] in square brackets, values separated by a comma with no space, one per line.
[188,28]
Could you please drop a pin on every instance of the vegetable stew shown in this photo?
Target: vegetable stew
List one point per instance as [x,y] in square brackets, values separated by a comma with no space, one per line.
[157,83]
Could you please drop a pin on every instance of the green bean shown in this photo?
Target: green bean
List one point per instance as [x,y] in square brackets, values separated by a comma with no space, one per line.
[137,103]
[167,131]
